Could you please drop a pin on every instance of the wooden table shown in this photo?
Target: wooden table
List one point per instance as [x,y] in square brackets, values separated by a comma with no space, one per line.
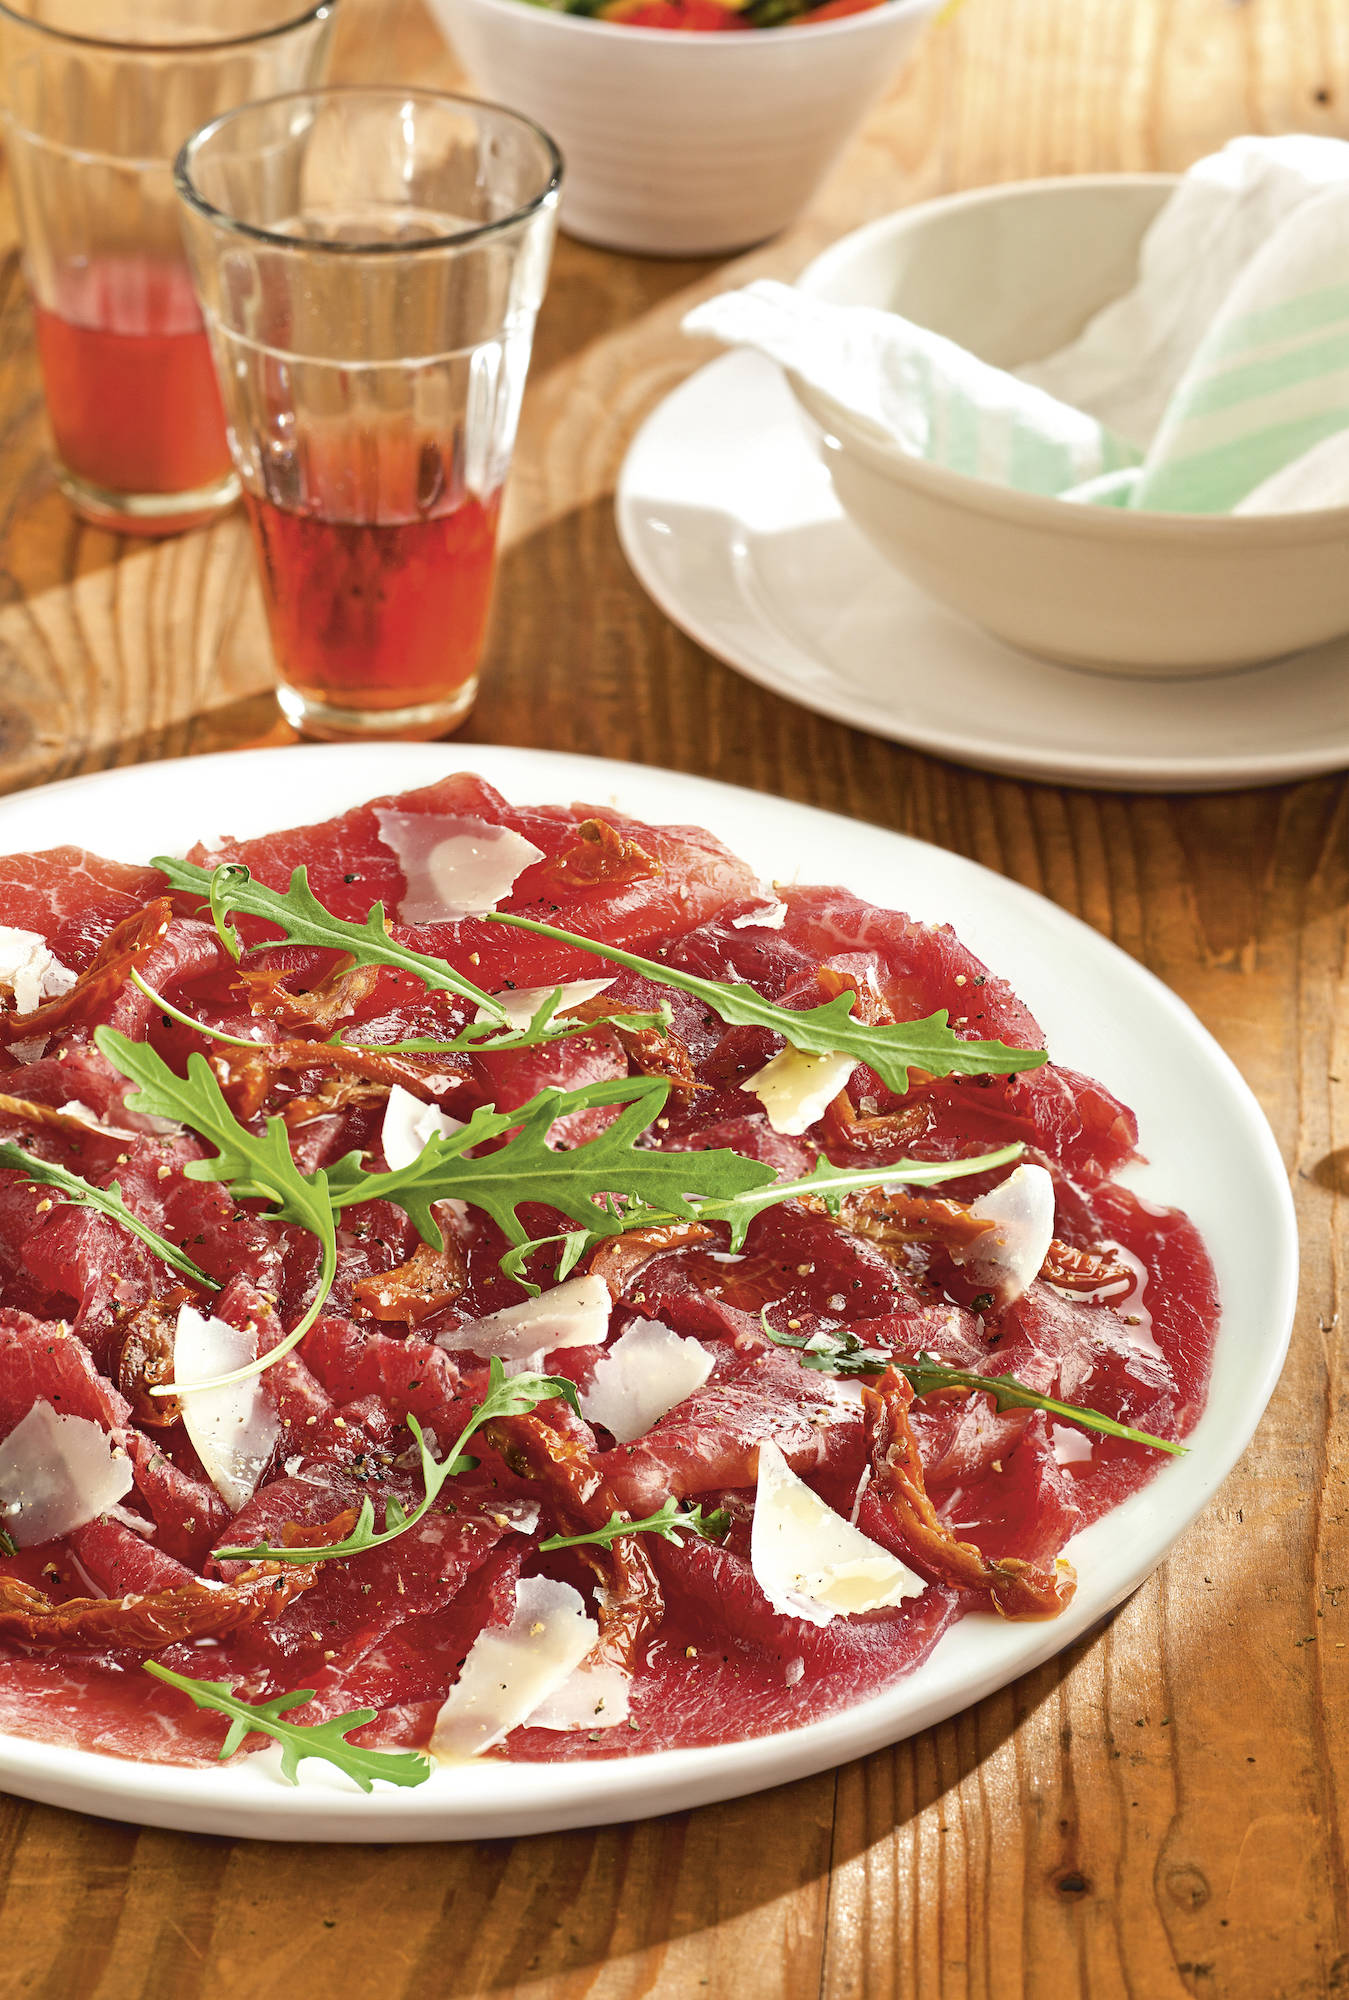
[1160,1811]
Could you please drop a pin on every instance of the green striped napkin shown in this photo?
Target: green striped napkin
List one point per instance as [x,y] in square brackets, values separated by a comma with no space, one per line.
[1269,380]
[1220,381]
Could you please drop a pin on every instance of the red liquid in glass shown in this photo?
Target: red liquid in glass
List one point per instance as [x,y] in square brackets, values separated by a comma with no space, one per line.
[131,391]
[384,612]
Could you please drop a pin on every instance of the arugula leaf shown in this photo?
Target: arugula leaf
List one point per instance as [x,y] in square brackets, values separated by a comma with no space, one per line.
[928,1375]
[667,1521]
[838,1353]
[327,1740]
[891,1049]
[831,1029]
[230,887]
[829,1184]
[843,1353]
[299,914]
[825,1182]
[108,1201]
[507,1396]
[8,1546]
[255,1167]
[608,1183]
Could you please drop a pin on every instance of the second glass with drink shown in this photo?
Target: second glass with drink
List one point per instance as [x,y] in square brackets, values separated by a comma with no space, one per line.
[370,264]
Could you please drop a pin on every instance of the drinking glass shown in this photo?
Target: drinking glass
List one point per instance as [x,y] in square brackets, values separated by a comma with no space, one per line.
[98,95]
[370,263]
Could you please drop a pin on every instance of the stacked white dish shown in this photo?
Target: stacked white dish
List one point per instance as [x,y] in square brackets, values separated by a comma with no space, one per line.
[940,609]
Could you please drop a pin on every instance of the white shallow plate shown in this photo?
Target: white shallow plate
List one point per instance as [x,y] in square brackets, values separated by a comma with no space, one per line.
[730,522]
[1206,1137]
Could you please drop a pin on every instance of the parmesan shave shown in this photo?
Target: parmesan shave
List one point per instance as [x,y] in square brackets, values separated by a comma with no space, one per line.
[56,1473]
[796,1089]
[808,1561]
[453,867]
[512,1669]
[30,970]
[647,1371]
[234,1429]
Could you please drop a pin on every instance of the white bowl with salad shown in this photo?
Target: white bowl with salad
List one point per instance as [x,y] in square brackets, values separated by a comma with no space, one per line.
[689,127]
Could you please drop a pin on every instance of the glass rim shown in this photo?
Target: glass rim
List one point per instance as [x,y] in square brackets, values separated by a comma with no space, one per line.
[457,239]
[315,11]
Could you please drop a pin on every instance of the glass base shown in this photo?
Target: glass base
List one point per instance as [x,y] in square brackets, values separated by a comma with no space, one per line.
[147,513]
[420,722]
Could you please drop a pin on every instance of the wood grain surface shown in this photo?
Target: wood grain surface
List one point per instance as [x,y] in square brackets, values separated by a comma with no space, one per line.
[1162,1810]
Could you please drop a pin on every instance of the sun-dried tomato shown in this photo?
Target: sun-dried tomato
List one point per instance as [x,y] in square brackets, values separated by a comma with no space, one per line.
[881,1133]
[1085,1270]
[650,1052]
[332,999]
[247,1075]
[318,1534]
[893,1219]
[596,855]
[21,1111]
[580,1499]
[185,1611]
[1018,1590]
[429,1280]
[146,1358]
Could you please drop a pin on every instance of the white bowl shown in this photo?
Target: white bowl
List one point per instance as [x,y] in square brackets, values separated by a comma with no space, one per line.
[1012,273]
[683,144]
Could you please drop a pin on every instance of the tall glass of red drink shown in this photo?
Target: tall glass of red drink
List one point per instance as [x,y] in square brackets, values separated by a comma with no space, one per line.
[370,263]
[98,95]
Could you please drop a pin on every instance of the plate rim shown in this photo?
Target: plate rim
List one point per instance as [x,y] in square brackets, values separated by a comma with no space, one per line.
[840,703]
[524,1798]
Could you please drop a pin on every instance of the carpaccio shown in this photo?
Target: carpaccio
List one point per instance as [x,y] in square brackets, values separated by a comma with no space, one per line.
[710,1659]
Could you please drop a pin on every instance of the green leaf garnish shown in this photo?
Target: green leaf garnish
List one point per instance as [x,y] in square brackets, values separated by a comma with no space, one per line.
[258,1166]
[297,912]
[255,1167]
[835,1353]
[607,1184]
[842,1353]
[326,1740]
[825,1182]
[8,1546]
[108,1201]
[891,1049]
[667,1521]
[927,1374]
[507,1396]
[829,1184]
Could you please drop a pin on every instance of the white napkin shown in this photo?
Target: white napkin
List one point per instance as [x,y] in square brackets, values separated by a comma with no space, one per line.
[1219,382]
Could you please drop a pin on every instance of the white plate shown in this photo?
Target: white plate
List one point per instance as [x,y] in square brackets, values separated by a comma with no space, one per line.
[1210,1151]
[730,522]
